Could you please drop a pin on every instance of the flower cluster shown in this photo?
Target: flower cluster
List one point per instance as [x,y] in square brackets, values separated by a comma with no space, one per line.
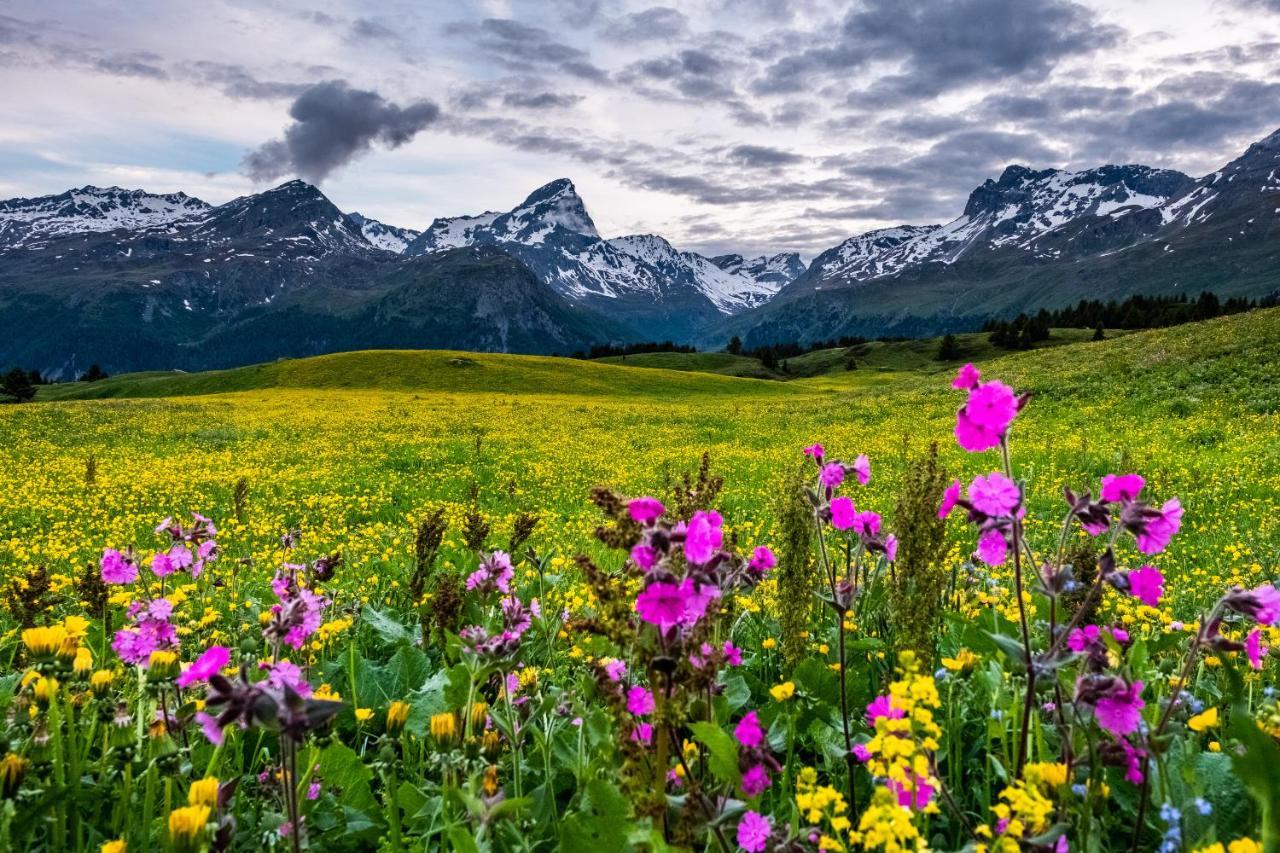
[905,736]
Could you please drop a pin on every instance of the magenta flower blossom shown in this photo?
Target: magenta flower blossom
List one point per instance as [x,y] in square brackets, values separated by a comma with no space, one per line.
[832,475]
[762,559]
[494,573]
[994,494]
[984,419]
[1081,638]
[1147,585]
[667,605]
[816,451]
[753,832]
[861,752]
[1261,604]
[644,556]
[640,701]
[967,377]
[313,791]
[891,548]
[645,509]
[1159,530]
[214,659]
[732,654]
[642,734]
[866,523]
[1254,649]
[286,673]
[748,731]
[162,565]
[993,548]
[916,796]
[1121,488]
[949,499]
[1133,762]
[842,513]
[882,706]
[862,469]
[116,568]
[703,537]
[1119,712]
[210,728]
[755,781]
[615,669]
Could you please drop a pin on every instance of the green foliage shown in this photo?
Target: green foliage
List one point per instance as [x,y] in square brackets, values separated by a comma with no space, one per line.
[795,571]
[919,578]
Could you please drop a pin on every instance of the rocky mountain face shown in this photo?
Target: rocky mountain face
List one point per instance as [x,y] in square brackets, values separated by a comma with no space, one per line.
[136,280]
[641,281]
[278,273]
[386,237]
[28,222]
[1041,239]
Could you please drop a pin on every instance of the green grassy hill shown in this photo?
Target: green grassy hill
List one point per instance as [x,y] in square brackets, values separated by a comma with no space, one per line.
[421,370]
[702,362]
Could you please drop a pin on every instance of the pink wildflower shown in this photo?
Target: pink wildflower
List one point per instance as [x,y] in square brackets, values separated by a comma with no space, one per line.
[891,548]
[214,659]
[816,451]
[645,509]
[882,706]
[1147,585]
[1254,649]
[949,499]
[1119,712]
[644,556]
[642,733]
[1155,538]
[992,548]
[842,513]
[703,537]
[210,728]
[640,701]
[966,377]
[1117,488]
[755,781]
[862,469]
[753,832]
[116,568]
[994,494]
[832,475]
[762,559]
[748,731]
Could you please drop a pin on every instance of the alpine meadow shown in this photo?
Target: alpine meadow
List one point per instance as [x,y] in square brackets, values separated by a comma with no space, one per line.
[827,531]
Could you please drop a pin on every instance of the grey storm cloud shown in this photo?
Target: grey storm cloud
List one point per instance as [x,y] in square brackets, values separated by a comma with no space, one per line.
[520,45]
[332,125]
[762,156]
[539,100]
[949,43]
[657,23]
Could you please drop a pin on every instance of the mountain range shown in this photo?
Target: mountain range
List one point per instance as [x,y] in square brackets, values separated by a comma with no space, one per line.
[135,280]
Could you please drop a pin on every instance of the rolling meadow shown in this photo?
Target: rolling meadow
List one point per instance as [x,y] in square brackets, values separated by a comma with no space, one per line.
[369,492]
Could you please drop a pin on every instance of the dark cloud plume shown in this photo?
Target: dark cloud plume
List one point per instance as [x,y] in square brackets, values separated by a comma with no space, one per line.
[941,45]
[332,125]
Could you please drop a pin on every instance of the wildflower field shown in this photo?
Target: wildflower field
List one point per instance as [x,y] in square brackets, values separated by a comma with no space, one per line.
[421,601]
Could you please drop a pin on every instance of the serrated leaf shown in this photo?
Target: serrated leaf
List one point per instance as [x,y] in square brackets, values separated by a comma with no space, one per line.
[388,630]
[722,751]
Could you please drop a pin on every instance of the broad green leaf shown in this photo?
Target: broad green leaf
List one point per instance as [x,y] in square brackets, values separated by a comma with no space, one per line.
[722,750]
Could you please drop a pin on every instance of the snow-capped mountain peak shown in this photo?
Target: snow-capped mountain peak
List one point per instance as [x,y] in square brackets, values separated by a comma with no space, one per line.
[554,235]
[90,209]
[384,236]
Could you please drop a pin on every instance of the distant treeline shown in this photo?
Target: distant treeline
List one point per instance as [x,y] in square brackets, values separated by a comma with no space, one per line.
[1136,312]
[608,350]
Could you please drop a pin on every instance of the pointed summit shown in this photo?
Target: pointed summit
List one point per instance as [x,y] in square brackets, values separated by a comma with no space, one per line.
[558,205]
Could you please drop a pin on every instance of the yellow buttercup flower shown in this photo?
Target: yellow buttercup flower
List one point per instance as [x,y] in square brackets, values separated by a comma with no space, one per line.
[364,715]
[397,716]
[782,692]
[1205,720]
[13,768]
[117,846]
[964,661]
[444,726]
[186,824]
[203,792]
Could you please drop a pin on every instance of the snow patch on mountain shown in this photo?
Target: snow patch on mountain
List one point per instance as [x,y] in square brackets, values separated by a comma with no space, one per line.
[90,209]
[386,237]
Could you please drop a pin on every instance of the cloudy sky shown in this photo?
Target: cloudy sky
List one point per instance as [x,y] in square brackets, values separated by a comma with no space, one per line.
[743,125]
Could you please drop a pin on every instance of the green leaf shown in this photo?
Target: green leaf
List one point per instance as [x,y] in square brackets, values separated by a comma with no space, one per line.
[1011,648]
[462,840]
[344,772]
[723,752]
[600,823]
[426,702]
[1256,766]
[736,692]
[390,631]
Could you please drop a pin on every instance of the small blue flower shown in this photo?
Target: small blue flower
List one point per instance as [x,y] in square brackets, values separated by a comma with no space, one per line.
[1203,806]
